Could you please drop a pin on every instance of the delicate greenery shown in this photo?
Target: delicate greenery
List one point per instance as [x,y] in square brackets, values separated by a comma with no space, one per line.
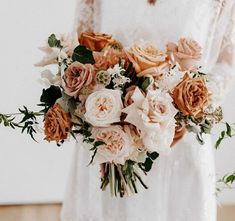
[27,122]
[83,55]
[53,42]
[146,83]
[226,181]
[147,165]
[224,134]
[49,97]
[84,131]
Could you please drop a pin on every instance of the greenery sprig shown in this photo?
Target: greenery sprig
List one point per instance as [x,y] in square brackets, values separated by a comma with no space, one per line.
[27,122]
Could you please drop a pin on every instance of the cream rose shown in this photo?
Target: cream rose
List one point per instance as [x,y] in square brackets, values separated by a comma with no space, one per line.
[117,147]
[187,53]
[153,115]
[103,107]
[147,59]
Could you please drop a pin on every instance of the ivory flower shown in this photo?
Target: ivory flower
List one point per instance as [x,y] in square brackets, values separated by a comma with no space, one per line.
[153,115]
[103,107]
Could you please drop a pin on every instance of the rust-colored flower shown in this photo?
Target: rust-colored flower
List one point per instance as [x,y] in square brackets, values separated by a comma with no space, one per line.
[57,124]
[109,58]
[191,95]
[95,41]
[187,53]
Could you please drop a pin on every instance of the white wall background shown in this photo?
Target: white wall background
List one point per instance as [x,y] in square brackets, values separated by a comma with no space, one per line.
[31,172]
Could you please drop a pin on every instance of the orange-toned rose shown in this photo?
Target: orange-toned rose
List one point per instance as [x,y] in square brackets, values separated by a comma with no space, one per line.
[147,59]
[57,124]
[191,95]
[187,53]
[95,41]
[109,58]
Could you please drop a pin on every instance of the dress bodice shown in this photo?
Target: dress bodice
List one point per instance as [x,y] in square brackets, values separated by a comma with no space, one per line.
[206,21]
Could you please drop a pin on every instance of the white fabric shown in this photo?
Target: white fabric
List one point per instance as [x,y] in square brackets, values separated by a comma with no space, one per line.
[182,184]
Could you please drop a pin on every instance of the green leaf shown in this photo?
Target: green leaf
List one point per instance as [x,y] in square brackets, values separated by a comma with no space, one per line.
[83,55]
[99,143]
[218,142]
[199,138]
[146,83]
[54,42]
[153,155]
[228,130]
[49,97]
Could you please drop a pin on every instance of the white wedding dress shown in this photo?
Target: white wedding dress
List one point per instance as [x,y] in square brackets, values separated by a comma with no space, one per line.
[182,184]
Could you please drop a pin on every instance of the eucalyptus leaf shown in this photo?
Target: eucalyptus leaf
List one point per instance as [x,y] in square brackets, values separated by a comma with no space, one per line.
[53,42]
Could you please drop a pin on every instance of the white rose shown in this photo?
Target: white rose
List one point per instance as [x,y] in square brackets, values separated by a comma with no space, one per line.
[153,115]
[117,147]
[103,107]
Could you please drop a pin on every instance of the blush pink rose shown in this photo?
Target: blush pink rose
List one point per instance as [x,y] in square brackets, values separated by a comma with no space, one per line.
[77,76]
[187,53]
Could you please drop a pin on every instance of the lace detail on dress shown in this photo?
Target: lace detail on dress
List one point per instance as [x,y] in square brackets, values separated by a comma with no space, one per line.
[87,15]
[85,18]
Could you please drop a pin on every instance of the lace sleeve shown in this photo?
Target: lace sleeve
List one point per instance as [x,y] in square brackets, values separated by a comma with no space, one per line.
[86,12]
[84,19]
[223,72]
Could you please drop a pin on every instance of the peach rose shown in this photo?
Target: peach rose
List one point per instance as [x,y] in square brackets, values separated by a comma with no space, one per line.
[109,58]
[57,124]
[77,76]
[191,95]
[95,41]
[187,53]
[147,59]
[117,145]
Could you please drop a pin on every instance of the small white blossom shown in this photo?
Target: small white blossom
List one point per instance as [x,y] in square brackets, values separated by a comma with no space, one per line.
[118,79]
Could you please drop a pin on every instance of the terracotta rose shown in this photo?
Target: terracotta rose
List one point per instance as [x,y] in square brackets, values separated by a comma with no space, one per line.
[95,41]
[191,95]
[57,124]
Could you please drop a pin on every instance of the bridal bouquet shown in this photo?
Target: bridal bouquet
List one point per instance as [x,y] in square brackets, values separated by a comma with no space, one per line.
[129,104]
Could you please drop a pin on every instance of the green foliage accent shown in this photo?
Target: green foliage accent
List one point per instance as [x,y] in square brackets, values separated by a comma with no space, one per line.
[146,83]
[227,133]
[83,55]
[49,97]
[147,165]
[53,42]
[8,121]
[29,119]
[84,131]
